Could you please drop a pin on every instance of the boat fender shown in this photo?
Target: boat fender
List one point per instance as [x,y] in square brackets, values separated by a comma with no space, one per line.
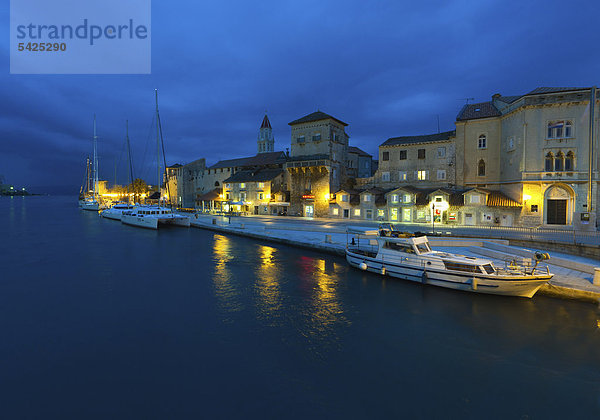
[362,266]
[474,283]
[424,277]
[383,271]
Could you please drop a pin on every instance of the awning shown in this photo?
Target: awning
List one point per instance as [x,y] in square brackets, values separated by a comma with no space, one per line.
[278,203]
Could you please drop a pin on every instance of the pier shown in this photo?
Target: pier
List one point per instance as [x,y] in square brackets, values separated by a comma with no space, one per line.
[574,277]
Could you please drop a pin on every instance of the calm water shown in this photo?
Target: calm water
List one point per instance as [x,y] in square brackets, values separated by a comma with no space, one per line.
[101,320]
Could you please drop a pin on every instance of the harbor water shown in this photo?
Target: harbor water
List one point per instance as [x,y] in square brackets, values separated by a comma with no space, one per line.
[103,320]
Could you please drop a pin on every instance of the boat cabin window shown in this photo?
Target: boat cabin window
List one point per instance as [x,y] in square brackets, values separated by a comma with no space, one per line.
[451,265]
[423,248]
[489,268]
[399,247]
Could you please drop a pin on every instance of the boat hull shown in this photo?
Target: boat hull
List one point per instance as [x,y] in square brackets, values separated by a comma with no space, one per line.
[91,206]
[154,222]
[111,215]
[517,285]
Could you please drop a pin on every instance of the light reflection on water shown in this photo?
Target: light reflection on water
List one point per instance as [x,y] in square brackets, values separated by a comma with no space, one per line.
[228,296]
[268,277]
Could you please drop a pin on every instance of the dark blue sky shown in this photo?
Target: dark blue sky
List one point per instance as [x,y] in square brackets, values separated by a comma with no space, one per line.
[387,68]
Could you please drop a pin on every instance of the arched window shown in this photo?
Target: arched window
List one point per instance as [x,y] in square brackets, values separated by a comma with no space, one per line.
[559,162]
[570,162]
[482,142]
[481,168]
[549,162]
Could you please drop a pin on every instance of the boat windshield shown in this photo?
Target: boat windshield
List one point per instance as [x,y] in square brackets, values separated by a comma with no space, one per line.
[424,247]
[489,268]
[399,247]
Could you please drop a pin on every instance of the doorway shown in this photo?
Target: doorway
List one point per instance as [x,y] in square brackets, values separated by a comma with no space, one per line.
[556,211]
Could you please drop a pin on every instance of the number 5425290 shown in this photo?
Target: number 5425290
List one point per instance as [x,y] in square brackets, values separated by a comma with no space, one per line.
[42,46]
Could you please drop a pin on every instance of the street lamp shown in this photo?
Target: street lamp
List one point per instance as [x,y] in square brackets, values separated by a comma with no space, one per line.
[433,218]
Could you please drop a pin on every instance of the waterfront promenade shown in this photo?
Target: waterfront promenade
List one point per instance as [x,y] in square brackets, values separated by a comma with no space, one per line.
[574,275]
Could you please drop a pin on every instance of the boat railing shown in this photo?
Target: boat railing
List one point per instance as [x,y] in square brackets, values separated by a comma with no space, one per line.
[522,266]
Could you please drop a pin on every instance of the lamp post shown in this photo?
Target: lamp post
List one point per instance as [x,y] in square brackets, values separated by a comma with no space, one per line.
[433,218]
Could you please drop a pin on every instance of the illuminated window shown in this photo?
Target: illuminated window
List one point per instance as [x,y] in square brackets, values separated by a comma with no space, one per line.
[260,196]
[394,214]
[357,212]
[335,211]
[402,176]
[407,198]
[242,185]
[367,197]
[261,185]
[422,175]
[380,213]
[394,198]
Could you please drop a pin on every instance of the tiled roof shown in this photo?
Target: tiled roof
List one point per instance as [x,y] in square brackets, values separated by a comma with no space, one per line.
[508,99]
[270,158]
[315,116]
[353,149]
[542,90]
[428,138]
[177,165]
[497,199]
[476,111]
[260,175]
[214,195]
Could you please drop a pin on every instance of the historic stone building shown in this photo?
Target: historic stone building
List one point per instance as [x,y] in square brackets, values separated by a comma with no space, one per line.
[360,163]
[421,161]
[317,163]
[256,191]
[535,148]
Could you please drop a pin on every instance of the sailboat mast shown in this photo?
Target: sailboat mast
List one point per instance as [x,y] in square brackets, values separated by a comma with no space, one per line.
[128,152]
[95,168]
[157,144]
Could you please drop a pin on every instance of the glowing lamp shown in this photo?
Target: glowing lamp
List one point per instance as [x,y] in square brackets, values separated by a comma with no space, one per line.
[526,197]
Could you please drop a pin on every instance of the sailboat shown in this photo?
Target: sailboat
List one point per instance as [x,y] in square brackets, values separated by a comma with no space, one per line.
[116,211]
[153,216]
[90,200]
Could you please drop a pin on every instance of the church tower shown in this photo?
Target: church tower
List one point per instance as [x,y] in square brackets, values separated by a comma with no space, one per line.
[266,142]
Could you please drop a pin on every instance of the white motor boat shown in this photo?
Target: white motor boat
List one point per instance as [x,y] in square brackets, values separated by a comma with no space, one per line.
[117,210]
[152,217]
[409,257]
[92,205]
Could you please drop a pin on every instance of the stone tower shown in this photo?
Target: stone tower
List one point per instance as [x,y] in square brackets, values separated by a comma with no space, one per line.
[266,141]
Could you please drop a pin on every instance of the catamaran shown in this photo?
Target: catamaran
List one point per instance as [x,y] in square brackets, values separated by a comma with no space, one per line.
[389,252]
[153,216]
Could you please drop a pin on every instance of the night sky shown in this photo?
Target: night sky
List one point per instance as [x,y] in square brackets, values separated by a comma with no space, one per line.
[387,68]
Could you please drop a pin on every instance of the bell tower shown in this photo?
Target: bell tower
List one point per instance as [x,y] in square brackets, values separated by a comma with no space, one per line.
[266,142]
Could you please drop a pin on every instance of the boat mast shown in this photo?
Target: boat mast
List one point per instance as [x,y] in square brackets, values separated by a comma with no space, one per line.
[157,146]
[95,167]
[128,152]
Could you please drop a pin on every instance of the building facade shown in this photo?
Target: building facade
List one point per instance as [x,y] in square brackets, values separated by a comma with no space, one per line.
[317,163]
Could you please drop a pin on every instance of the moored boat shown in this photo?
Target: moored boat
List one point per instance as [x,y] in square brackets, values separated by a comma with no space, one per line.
[116,210]
[410,257]
[152,217]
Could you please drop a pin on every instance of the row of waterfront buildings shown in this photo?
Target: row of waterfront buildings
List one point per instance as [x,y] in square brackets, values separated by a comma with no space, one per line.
[525,160]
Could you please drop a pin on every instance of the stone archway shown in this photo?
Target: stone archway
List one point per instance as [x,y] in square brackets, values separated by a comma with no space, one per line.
[558,205]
